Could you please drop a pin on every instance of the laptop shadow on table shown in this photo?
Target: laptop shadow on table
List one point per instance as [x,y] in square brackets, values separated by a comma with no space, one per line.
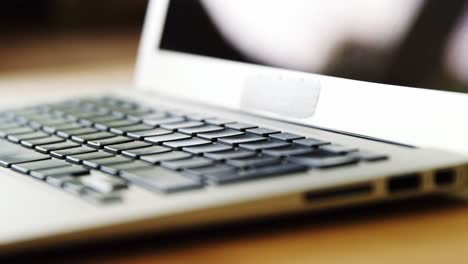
[215,234]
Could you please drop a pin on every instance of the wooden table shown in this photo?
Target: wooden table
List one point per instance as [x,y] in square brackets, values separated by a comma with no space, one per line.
[422,231]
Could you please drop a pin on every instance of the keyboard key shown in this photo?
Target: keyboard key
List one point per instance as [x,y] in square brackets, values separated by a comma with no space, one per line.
[103,182]
[218,121]
[59,180]
[161,180]
[115,102]
[33,119]
[287,151]
[96,163]
[82,117]
[33,135]
[31,143]
[78,159]
[310,142]
[152,116]
[6,127]
[126,129]
[162,121]
[171,112]
[236,140]
[286,136]
[314,160]
[179,144]
[338,149]
[267,144]
[230,154]
[197,117]
[181,125]
[123,104]
[74,186]
[100,119]
[199,172]
[48,121]
[214,147]
[71,170]
[240,126]
[51,120]
[165,138]
[253,162]
[262,131]
[149,116]
[61,154]
[202,129]
[16,131]
[192,162]
[132,112]
[15,113]
[28,120]
[165,156]
[99,197]
[135,153]
[174,112]
[117,148]
[38,165]
[62,127]
[219,134]
[100,143]
[148,133]
[255,173]
[116,168]
[115,124]
[76,132]
[58,146]
[90,137]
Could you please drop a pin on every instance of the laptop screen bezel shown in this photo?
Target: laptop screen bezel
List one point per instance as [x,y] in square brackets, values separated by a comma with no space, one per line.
[407,115]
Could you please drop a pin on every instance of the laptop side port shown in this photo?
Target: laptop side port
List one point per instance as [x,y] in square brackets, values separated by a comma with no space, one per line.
[339,193]
[404,183]
[445,177]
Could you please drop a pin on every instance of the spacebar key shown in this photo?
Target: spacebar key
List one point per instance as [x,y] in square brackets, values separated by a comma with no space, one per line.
[161,180]
[12,154]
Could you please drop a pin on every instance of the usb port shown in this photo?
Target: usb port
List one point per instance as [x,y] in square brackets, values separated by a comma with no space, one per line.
[444,177]
[404,183]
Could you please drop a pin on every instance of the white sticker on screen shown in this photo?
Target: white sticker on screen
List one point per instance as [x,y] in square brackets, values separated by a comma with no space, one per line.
[294,98]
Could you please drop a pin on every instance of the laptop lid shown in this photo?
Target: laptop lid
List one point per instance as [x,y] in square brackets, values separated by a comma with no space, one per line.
[347,66]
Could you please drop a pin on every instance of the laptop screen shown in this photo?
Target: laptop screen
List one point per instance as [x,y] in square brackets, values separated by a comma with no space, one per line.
[417,43]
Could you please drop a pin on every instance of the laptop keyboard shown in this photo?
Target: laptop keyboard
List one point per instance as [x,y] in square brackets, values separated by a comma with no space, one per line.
[95,148]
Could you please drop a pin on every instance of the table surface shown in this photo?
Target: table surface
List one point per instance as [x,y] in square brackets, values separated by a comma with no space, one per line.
[421,231]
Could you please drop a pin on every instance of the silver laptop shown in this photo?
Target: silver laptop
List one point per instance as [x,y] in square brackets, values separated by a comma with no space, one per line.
[242,109]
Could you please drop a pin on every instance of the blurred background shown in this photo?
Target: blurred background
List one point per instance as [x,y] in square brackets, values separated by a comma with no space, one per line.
[419,43]
[45,35]
[416,43]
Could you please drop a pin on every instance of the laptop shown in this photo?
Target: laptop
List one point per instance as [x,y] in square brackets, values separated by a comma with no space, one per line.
[241,111]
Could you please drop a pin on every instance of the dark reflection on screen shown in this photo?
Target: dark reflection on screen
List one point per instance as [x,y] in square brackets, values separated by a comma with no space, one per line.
[418,43]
